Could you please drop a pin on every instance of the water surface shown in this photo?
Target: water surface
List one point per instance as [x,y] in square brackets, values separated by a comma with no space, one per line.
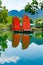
[20,49]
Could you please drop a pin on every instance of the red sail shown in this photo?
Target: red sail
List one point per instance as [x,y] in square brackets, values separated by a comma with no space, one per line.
[16,24]
[26,23]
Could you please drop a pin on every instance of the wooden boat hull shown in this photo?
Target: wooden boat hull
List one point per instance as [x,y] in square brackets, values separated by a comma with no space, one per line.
[27,32]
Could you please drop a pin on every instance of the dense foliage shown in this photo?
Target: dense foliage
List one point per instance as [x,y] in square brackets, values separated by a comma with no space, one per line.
[39,23]
[39,35]
[33,7]
[3,14]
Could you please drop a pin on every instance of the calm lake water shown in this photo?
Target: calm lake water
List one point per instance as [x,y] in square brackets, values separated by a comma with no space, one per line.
[21,49]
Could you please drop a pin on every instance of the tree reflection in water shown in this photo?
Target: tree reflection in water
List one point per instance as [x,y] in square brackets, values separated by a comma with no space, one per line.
[3,42]
[38,34]
[37,37]
[25,39]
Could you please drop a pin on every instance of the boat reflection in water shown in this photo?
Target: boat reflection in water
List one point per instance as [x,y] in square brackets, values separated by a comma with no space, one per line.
[27,47]
[15,40]
[25,39]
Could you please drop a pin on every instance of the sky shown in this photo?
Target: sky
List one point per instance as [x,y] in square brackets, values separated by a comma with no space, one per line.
[16,4]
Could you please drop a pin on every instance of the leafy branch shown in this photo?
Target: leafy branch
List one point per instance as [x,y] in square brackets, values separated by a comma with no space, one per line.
[33,7]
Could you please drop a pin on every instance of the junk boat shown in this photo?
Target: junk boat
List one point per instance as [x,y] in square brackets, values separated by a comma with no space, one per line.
[24,28]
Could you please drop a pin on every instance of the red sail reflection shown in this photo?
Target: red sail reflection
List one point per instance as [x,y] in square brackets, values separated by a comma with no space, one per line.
[15,40]
[25,41]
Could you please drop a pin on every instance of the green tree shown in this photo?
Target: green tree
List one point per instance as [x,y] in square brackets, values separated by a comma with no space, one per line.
[0,4]
[39,22]
[31,21]
[34,5]
[5,15]
[42,25]
[41,5]
[28,8]
[31,8]
[1,12]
